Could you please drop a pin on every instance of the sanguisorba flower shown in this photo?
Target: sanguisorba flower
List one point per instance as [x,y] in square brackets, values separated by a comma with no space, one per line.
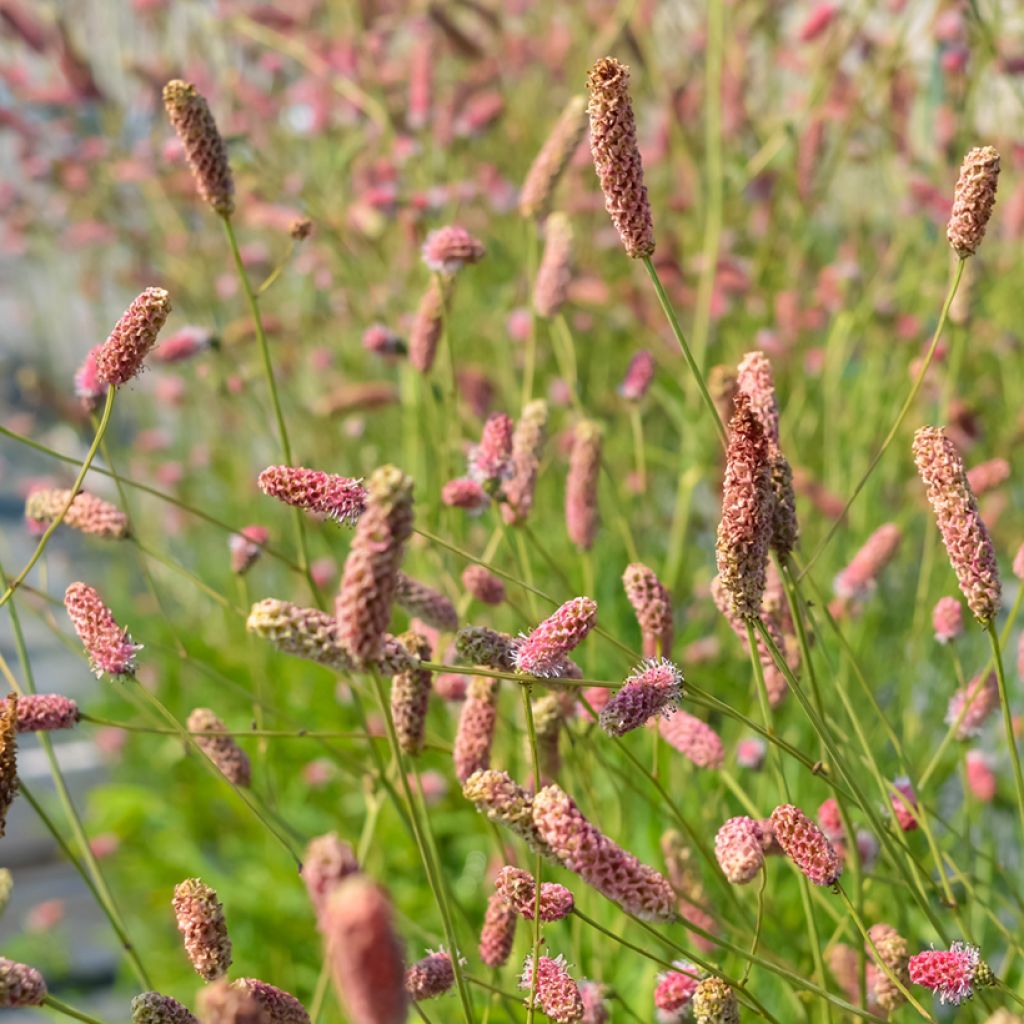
[616,154]
[364,953]
[154,1008]
[639,375]
[973,199]
[280,1007]
[892,951]
[471,751]
[204,148]
[370,577]
[652,604]
[674,992]
[947,619]
[410,696]
[739,849]
[497,795]
[447,250]
[246,547]
[46,712]
[327,862]
[544,649]
[341,498]
[498,932]
[109,647]
[527,448]
[425,603]
[20,985]
[861,576]
[806,845]
[535,197]
[519,890]
[554,275]
[557,994]
[483,585]
[581,510]
[430,977]
[88,386]
[427,325]
[693,739]
[963,532]
[980,697]
[714,1002]
[119,359]
[185,343]
[204,931]
[86,513]
[8,757]
[490,461]
[951,974]
[654,688]
[480,645]
[212,738]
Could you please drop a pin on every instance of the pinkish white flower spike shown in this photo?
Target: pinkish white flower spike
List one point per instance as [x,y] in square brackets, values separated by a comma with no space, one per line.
[504,801]
[542,652]
[951,974]
[973,199]
[109,647]
[890,949]
[581,847]
[466,494]
[655,688]
[204,931]
[88,386]
[739,850]
[212,738]
[425,603]
[551,288]
[830,821]
[471,751]
[430,977]
[527,448]
[652,604]
[280,1007]
[427,325]
[410,696]
[987,476]
[45,712]
[750,753]
[246,546]
[341,498]
[327,862]
[981,776]
[447,250]
[638,377]
[968,545]
[947,619]
[981,698]
[154,1008]
[490,461]
[483,585]
[545,172]
[674,992]
[593,994]
[806,845]
[860,577]
[20,985]
[87,513]
[519,890]
[205,151]
[581,509]
[693,739]
[557,994]
[364,953]
[498,932]
[120,357]
[904,804]
[185,343]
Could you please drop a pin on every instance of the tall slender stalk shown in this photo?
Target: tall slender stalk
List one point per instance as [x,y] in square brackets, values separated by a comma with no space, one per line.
[1004,702]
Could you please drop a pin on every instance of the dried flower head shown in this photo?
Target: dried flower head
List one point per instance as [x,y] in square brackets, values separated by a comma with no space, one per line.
[581,511]
[652,604]
[490,461]
[327,862]
[427,325]
[714,1002]
[617,156]
[204,931]
[739,850]
[340,498]
[544,650]
[554,275]
[527,448]
[951,974]
[654,688]
[947,619]
[963,532]
[971,705]
[280,1007]
[806,845]
[20,985]
[109,647]
[410,695]
[693,739]
[479,645]
[154,1008]
[430,977]
[85,513]
[549,165]
[425,603]
[498,932]
[890,949]
[973,200]
[212,738]
[45,712]
[120,357]
[447,250]
[204,148]
[860,577]
[519,890]
[639,375]
[483,585]
[557,994]
[503,800]
[471,751]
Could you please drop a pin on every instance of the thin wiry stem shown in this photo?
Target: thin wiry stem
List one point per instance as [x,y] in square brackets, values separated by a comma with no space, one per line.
[1007,717]
[70,1011]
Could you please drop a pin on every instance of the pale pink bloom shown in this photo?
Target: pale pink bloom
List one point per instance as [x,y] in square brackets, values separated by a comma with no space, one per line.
[490,461]
[947,619]
[693,738]
[739,849]
[246,546]
[109,647]
[543,650]
[981,698]
[860,577]
[750,753]
[520,892]
[465,493]
[447,250]
[654,688]
[981,776]
[557,994]
[638,377]
[185,343]
[341,498]
[498,932]
[904,803]
[830,821]
[674,992]
[806,845]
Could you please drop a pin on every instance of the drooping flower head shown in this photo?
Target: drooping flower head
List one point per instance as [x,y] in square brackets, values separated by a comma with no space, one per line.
[739,849]
[498,932]
[327,862]
[471,751]
[806,845]
[693,739]
[410,696]
[204,148]
[280,1007]
[20,985]
[154,1008]
[544,650]
[654,688]
[109,647]
[527,448]
[447,250]
[581,509]
[204,931]
[861,575]
[973,199]
[535,197]
[341,498]
[951,974]
[652,604]
[45,712]
[554,275]
[947,619]
[212,738]
[557,994]
[430,977]
[714,1002]
[519,890]
[638,377]
[86,513]
[120,357]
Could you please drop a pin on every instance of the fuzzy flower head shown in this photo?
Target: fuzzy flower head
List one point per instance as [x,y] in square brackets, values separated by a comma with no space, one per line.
[951,974]
[185,343]
[246,546]
[750,752]
[154,1008]
[327,862]
[86,513]
[654,688]
[674,992]
[544,649]
[972,705]
[340,498]
[535,197]
[714,1002]
[447,250]
[280,1007]
[20,985]
[963,532]
[120,357]
[557,994]
[212,738]
[806,845]
[860,577]
[430,977]
[425,603]
[595,1009]
[830,821]
[639,375]
[519,890]
[904,804]
[693,739]
[204,931]
[204,148]
[498,932]
[581,508]
[480,645]
[46,712]
[483,585]
[652,604]
[739,850]
[973,200]
[88,386]
[490,461]
[947,619]
[109,647]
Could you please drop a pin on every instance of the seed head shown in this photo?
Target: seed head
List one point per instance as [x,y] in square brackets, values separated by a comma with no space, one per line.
[693,739]
[557,994]
[231,761]
[654,688]
[45,712]
[652,604]
[109,647]
[447,250]
[973,200]
[860,577]
[638,377]
[951,974]
[483,585]
[498,932]
[425,603]
[714,1002]
[806,845]
[739,850]
[537,193]
[544,650]
[581,511]
[430,977]
[519,890]
[154,1008]
[554,275]
[328,861]
[86,513]
[204,148]
[410,696]
[527,448]
[204,931]
[119,359]
[471,751]
[20,985]
[340,498]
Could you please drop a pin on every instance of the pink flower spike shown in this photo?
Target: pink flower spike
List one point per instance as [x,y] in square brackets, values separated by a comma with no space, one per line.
[45,712]
[675,991]
[490,461]
[120,357]
[466,494]
[903,796]
[693,738]
[541,653]
[557,994]
[981,776]
[498,932]
[947,619]
[447,250]
[638,377]
[830,821]
[185,343]
[860,577]
[981,697]
[806,845]
[739,850]
[750,753]
[246,546]
[483,585]
[519,890]
[341,498]
[951,974]
[430,977]
[656,687]
[88,386]
[109,647]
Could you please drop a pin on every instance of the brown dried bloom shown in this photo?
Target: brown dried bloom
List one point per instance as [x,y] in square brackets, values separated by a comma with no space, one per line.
[617,156]
[120,357]
[973,200]
[550,163]
[203,929]
[8,757]
[231,761]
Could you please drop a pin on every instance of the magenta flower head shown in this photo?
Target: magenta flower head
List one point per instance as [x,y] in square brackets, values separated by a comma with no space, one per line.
[86,513]
[581,511]
[185,343]
[410,696]
[860,577]
[154,1008]
[483,585]
[674,992]
[554,275]
[971,705]
[542,652]
[427,326]
[447,250]
[498,932]
[963,532]
[205,151]
[504,801]
[557,994]
[204,931]
[981,776]
[471,751]
[744,532]
[370,577]
[327,862]
[279,1006]
[527,448]
[519,890]
[490,461]
[549,165]
[951,974]
[581,847]
[973,199]
[739,850]
[120,357]
[947,619]
[45,712]
[904,804]
[365,953]
[425,603]
[88,386]
[654,688]
[109,647]
[430,977]
[652,604]
[246,546]
[466,494]
[806,845]
[212,738]
[693,739]
[638,377]
[20,985]
[340,498]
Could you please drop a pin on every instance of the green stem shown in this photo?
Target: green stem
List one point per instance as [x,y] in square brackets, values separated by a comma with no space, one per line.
[69,1011]
[531,731]
[1007,716]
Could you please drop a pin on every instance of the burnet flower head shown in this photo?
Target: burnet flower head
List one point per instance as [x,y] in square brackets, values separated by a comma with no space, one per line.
[951,974]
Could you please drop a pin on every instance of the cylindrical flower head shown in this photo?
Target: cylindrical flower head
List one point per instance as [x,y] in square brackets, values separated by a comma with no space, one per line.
[638,377]
[471,751]
[554,275]
[154,1008]
[430,977]
[211,736]
[963,532]
[674,992]
[503,800]
[595,1011]
[88,386]
[693,739]
[785,527]
[425,334]
[479,645]
[340,498]
[617,156]
[904,804]
[947,619]
[545,172]
[860,577]
[739,850]
[557,994]
[973,200]
[747,503]
[370,577]
[280,1007]
[980,697]
[951,974]
[447,250]
[223,1003]
[109,647]
[581,511]
[653,606]
[806,845]
[987,476]
[543,651]
[491,460]
[465,493]
[520,891]
[45,712]
[655,688]
[714,1002]
[184,344]
[8,756]
[981,776]
[483,585]
[893,952]
[20,985]
[498,932]
[425,603]
[204,148]
[755,379]
[246,546]
[844,965]
[120,357]
[87,513]
[327,862]
[830,821]
[204,931]
[364,953]
[527,448]
[410,696]
[581,847]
